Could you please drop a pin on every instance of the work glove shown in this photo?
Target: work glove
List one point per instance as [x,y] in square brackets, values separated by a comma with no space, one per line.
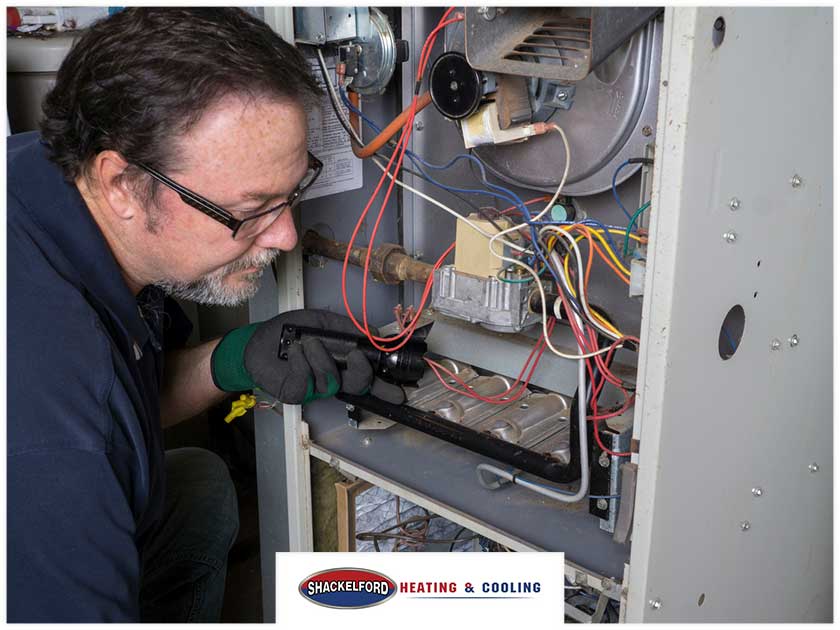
[247,358]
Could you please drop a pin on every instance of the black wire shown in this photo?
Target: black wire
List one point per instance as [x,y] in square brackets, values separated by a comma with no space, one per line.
[460,531]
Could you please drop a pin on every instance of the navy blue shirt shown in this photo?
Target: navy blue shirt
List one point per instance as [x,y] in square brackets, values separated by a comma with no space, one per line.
[85,454]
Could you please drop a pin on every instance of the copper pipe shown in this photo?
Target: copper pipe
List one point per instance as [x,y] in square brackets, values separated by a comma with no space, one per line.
[389,132]
[388,263]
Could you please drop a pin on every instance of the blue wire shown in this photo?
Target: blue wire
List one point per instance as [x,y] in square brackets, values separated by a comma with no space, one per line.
[729,339]
[509,194]
[615,190]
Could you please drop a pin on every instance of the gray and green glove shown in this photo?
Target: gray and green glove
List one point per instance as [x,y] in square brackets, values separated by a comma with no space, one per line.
[247,358]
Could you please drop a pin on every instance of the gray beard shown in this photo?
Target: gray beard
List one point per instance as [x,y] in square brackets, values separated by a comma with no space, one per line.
[211,290]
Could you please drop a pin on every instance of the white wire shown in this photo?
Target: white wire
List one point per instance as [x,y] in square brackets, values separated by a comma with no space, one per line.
[549,345]
[337,106]
[446,208]
[583,431]
[340,113]
[559,268]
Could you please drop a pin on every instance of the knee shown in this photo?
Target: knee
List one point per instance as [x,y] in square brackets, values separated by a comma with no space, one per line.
[207,482]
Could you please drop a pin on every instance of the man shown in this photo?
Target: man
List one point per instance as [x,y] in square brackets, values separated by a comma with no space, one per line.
[172,149]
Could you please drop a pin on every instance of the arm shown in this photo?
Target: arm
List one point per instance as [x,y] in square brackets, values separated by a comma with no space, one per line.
[188,387]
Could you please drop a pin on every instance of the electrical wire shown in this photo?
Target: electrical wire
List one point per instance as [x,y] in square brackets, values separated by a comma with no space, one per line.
[633,220]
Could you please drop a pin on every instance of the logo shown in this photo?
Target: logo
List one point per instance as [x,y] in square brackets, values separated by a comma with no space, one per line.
[347,588]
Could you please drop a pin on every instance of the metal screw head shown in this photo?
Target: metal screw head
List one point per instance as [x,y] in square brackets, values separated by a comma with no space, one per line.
[320,37]
[655,604]
[775,344]
[745,525]
[602,504]
[367,441]
[793,341]
[349,408]
[730,237]
[796,181]
[604,460]
[647,131]
[418,125]
[814,467]
[488,13]
[757,492]
[734,203]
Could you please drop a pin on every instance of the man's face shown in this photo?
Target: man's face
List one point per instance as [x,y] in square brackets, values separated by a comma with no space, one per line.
[243,155]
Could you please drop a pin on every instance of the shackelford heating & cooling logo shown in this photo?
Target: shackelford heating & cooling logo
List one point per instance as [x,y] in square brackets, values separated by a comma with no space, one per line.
[362,588]
[347,588]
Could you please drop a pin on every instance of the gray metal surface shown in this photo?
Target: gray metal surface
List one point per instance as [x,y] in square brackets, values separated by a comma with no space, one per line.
[320,25]
[434,468]
[496,305]
[378,56]
[612,107]
[536,421]
[711,430]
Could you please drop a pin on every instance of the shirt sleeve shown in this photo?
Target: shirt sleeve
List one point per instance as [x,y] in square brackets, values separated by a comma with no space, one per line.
[72,555]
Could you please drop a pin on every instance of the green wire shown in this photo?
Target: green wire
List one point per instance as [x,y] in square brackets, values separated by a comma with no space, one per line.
[630,227]
[509,281]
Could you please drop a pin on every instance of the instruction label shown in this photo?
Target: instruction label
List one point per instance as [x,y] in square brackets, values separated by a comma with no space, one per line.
[329,142]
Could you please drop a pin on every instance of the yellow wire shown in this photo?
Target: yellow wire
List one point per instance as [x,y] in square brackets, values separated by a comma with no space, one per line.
[606,247]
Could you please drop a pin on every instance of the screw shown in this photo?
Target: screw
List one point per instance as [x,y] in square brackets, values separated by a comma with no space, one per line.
[646,131]
[418,125]
[604,460]
[745,525]
[602,504]
[349,408]
[418,255]
[730,237]
[757,492]
[320,37]
[734,203]
[606,583]
[655,604]
[562,96]
[796,181]
[488,13]
[775,344]
[814,467]
[793,341]
[367,441]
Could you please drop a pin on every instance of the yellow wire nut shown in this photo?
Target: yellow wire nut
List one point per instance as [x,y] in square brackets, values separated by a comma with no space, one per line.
[240,407]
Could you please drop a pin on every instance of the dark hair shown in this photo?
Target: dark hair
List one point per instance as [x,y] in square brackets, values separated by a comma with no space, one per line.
[136,81]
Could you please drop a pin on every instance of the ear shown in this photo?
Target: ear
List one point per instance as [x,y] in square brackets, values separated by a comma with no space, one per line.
[108,170]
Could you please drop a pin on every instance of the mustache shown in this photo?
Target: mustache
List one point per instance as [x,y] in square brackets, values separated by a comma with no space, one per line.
[260,260]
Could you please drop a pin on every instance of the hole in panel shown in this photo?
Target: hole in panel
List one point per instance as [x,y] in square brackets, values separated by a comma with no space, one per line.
[731,332]
[718,31]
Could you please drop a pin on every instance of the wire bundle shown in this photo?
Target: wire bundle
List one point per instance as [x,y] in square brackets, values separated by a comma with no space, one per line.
[535,247]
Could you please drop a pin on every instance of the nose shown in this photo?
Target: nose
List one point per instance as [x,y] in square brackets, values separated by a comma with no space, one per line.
[280,235]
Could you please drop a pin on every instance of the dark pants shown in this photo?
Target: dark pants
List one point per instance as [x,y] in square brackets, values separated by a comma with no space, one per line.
[185,563]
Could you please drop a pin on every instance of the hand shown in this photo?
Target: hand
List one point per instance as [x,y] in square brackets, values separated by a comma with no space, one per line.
[247,358]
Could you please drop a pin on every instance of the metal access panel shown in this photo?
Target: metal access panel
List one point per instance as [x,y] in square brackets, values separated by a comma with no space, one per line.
[733,519]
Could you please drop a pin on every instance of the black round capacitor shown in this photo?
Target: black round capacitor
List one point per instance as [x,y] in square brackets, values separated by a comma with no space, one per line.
[455,86]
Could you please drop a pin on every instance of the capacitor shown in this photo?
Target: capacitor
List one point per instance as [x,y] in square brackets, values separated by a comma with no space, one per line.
[455,86]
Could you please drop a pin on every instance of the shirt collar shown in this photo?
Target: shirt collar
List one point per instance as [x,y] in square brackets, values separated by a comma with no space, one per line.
[59,209]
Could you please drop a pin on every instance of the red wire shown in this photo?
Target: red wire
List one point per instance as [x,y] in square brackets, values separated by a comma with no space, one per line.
[402,145]
[501,398]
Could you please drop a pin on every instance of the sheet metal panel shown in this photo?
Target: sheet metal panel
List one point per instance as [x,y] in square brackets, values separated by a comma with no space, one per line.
[712,430]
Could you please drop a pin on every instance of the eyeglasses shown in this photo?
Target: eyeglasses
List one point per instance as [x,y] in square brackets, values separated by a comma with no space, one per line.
[247,227]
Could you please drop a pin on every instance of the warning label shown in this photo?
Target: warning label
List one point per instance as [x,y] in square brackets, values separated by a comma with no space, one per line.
[329,142]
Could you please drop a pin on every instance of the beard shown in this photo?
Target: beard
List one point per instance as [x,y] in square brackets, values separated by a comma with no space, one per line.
[211,289]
